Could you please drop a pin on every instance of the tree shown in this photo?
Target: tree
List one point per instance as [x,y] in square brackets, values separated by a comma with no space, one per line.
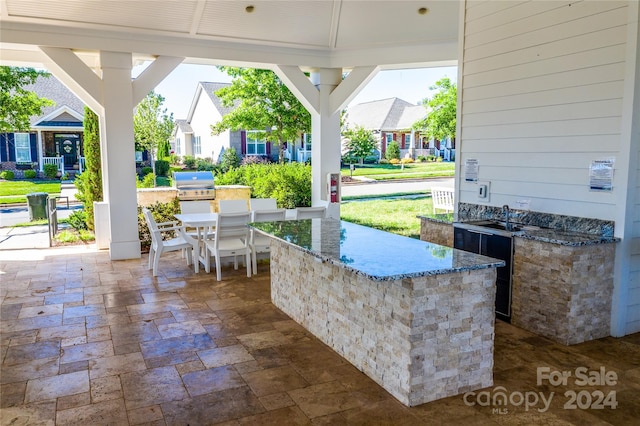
[18,105]
[164,149]
[393,151]
[440,122]
[263,102]
[89,183]
[360,142]
[151,125]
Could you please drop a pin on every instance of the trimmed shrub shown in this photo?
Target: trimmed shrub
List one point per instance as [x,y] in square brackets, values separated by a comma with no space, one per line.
[393,151]
[162,212]
[205,165]
[78,220]
[383,161]
[422,158]
[50,171]
[162,168]
[7,175]
[229,160]
[406,160]
[189,162]
[30,174]
[394,161]
[145,171]
[148,181]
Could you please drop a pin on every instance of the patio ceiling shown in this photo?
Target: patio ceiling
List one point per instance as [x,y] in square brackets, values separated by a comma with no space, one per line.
[307,33]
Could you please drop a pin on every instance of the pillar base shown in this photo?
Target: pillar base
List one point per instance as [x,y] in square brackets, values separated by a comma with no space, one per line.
[125,250]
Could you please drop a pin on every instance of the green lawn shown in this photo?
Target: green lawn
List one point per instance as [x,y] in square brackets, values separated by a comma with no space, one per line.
[409,171]
[391,215]
[14,191]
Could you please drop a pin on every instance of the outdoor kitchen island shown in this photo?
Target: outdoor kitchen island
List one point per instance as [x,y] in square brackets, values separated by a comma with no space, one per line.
[416,317]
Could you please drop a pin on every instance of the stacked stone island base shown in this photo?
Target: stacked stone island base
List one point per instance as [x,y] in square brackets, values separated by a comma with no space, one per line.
[421,338]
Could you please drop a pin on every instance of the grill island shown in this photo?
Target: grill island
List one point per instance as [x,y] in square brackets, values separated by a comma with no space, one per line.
[416,317]
[194,185]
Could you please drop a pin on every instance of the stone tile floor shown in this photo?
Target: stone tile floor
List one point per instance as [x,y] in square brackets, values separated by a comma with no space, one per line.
[87,341]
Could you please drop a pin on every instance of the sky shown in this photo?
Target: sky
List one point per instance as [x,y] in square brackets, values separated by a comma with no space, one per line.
[411,85]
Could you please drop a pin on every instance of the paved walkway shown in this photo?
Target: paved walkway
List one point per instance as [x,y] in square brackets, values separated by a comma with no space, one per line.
[33,237]
[90,341]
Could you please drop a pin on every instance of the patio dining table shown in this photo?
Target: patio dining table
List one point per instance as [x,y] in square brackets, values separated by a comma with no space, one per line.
[201,222]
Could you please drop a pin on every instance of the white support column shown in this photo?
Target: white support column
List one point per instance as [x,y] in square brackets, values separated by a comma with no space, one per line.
[324,103]
[118,153]
[325,134]
[40,150]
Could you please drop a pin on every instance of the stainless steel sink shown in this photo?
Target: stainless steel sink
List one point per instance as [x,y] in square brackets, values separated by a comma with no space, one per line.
[491,227]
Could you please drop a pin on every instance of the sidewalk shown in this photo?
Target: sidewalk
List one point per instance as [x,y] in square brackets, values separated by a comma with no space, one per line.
[30,237]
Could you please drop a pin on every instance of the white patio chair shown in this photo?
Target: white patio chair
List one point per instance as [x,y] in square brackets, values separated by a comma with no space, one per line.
[197,206]
[159,245]
[232,206]
[263,204]
[310,212]
[231,239]
[258,242]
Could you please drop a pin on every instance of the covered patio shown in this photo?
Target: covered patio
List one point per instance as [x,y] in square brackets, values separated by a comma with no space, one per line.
[87,340]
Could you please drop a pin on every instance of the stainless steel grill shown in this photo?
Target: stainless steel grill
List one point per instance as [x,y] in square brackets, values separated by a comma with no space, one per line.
[194,185]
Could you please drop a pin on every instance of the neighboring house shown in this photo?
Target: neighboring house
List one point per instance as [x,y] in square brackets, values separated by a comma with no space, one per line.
[55,136]
[392,120]
[192,136]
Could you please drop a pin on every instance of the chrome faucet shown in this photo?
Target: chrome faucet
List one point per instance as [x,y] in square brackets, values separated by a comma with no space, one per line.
[505,212]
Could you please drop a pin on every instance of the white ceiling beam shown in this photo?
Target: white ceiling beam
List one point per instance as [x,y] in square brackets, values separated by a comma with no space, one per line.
[157,71]
[197,17]
[247,54]
[335,22]
[76,75]
[300,86]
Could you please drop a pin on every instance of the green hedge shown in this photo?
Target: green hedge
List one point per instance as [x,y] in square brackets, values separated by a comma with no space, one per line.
[289,183]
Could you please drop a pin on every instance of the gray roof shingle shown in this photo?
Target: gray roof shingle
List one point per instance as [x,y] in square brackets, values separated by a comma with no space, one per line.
[385,114]
[51,88]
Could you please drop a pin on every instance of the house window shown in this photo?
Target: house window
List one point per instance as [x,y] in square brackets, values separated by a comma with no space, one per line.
[23,149]
[407,140]
[178,147]
[389,137]
[255,144]
[197,148]
[138,156]
[307,141]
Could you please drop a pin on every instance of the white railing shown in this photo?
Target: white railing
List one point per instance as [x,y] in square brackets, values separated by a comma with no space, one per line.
[303,156]
[81,164]
[415,153]
[58,161]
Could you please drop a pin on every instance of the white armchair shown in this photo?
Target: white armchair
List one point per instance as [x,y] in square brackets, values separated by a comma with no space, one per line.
[231,239]
[159,245]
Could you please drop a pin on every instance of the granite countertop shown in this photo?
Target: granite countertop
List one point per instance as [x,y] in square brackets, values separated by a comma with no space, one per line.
[551,235]
[378,255]
[565,238]
[446,218]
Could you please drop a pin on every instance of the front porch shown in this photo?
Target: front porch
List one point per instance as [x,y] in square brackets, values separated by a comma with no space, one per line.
[87,340]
